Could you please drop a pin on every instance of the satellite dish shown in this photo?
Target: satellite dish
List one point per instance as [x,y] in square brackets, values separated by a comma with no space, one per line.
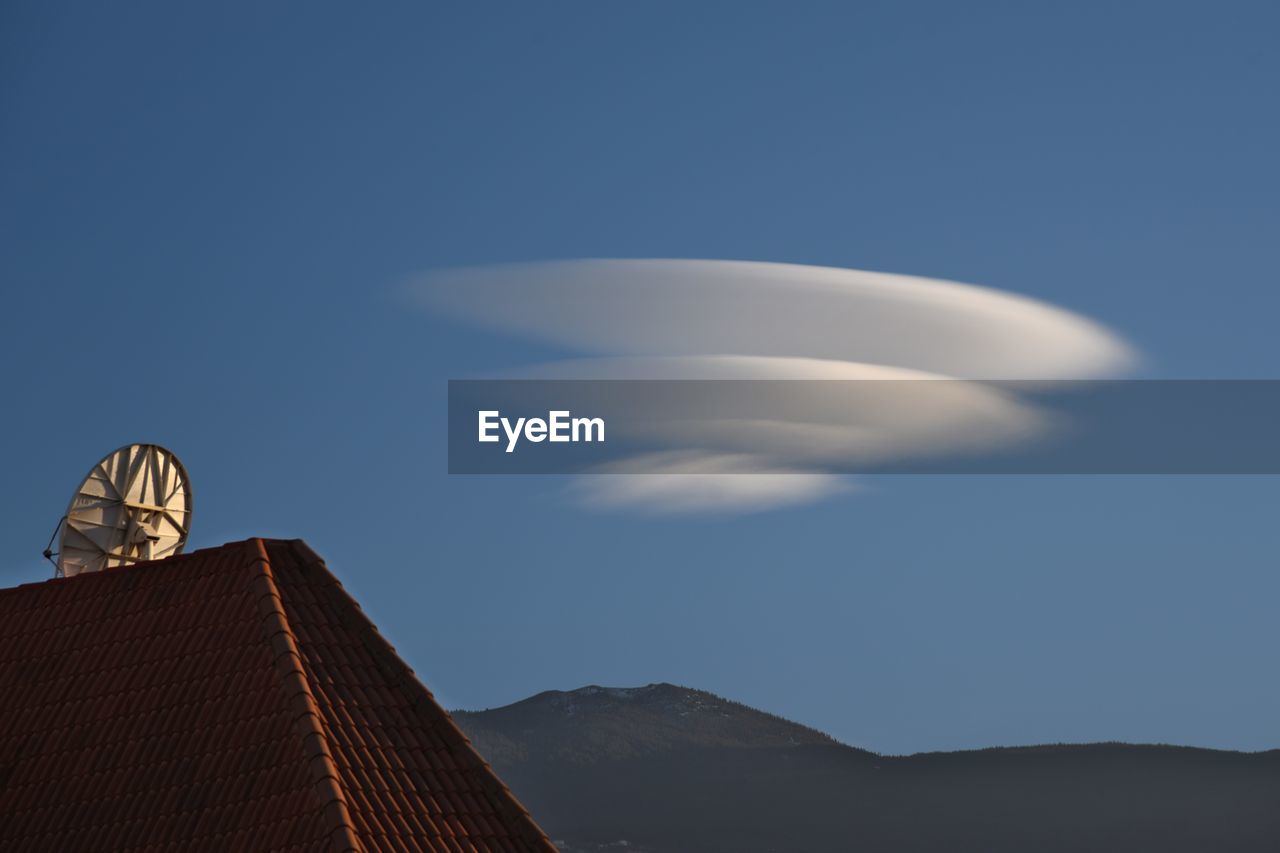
[134,505]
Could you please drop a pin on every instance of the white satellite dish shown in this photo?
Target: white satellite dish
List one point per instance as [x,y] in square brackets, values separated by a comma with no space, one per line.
[134,505]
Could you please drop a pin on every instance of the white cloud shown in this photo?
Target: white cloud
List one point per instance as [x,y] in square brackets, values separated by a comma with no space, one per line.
[701,319]
[901,415]
[702,307]
[691,482]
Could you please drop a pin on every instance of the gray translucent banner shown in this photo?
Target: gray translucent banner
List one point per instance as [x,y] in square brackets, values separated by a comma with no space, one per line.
[927,426]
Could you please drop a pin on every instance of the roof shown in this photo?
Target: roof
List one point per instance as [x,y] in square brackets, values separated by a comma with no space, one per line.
[231,698]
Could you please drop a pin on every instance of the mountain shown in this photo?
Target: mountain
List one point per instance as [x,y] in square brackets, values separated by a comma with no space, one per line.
[667,769]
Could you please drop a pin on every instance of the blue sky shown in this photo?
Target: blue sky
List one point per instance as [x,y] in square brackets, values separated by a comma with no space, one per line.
[206,214]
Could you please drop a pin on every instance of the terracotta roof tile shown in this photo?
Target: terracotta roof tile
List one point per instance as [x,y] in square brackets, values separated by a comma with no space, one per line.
[232,698]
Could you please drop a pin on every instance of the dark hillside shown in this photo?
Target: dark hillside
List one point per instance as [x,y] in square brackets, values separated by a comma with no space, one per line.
[667,769]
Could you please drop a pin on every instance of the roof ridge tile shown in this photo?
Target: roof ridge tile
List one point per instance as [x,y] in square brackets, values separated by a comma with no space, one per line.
[422,702]
[288,662]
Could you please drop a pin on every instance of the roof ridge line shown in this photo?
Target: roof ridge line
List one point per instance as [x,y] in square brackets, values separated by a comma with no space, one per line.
[417,692]
[307,719]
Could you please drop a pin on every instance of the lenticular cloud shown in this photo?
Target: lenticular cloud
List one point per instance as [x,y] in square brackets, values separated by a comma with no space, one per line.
[703,319]
[699,307]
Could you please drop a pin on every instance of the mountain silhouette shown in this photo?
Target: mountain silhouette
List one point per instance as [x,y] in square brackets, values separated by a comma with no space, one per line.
[668,769]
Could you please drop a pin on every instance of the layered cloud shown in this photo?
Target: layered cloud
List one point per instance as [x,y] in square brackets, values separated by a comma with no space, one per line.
[880,414]
[701,307]
[699,319]
[696,481]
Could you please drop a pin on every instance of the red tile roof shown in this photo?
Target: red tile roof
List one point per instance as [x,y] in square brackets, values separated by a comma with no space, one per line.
[232,698]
